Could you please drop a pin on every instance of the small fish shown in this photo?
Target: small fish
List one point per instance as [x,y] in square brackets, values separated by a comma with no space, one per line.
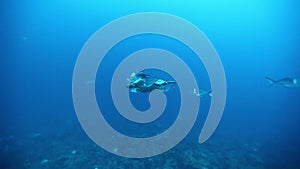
[201,93]
[44,161]
[285,82]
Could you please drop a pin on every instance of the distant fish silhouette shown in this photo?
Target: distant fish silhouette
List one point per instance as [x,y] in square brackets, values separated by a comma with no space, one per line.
[285,82]
[201,93]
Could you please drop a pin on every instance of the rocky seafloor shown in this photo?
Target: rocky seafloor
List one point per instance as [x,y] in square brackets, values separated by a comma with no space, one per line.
[67,149]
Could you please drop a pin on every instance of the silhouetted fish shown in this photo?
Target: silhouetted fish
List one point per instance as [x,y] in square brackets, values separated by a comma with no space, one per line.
[200,92]
[285,82]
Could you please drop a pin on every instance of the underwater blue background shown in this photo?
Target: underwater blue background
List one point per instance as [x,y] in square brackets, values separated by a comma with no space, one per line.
[41,40]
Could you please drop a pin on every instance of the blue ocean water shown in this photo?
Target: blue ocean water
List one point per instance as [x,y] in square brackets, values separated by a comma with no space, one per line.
[41,41]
